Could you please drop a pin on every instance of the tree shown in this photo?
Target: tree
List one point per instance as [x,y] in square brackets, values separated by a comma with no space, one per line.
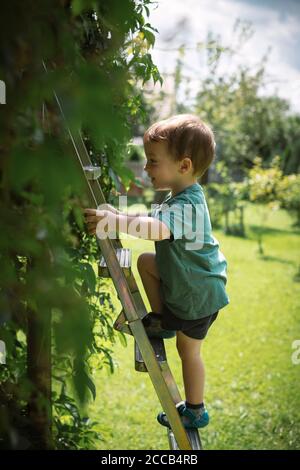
[245,123]
[289,196]
[55,313]
[263,189]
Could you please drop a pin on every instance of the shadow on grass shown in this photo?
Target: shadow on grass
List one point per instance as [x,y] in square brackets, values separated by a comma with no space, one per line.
[276,259]
[253,231]
[257,229]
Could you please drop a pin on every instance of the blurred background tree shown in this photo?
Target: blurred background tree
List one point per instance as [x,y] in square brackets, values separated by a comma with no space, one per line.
[289,196]
[247,125]
[263,187]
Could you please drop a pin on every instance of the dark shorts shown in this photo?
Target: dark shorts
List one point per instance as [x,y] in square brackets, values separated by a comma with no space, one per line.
[196,329]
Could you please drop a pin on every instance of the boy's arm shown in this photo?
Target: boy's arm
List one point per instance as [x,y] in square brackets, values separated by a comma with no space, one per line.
[142,226]
[148,228]
[112,209]
[138,214]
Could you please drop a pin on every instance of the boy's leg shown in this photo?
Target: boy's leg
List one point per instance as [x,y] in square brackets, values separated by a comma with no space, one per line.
[148,271]
[194,414]
[193,371]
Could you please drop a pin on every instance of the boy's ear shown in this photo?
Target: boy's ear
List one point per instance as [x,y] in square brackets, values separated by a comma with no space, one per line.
[186,164]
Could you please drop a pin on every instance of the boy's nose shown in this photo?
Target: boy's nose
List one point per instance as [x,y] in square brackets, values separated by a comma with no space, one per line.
[147,172]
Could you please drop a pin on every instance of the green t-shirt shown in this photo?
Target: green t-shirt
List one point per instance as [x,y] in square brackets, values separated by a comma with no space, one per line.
[192,268]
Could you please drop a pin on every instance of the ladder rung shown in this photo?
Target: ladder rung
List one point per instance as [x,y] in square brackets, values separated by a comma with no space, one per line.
[92,172]
[124,258]
[120,320]
[121,325]
[159,350]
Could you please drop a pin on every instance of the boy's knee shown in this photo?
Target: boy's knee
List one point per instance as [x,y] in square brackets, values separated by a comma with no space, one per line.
[141,261]
[145,261]
[187,349]
[183,352]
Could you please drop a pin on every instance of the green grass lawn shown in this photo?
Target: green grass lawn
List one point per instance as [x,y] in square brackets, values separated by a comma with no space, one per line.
[252,387]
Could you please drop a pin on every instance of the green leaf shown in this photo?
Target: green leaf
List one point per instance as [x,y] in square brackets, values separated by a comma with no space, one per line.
[88,275]
[149,36]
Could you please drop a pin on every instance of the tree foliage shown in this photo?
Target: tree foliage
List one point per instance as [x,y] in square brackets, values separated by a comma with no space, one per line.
[95,53]
[245,121]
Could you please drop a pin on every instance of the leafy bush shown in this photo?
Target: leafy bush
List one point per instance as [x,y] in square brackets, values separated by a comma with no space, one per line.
[289,196]
[263,189]
[226,201]
[264,183]
[95,53]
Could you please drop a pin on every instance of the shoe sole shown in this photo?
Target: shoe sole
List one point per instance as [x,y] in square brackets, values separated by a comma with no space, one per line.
[152,325]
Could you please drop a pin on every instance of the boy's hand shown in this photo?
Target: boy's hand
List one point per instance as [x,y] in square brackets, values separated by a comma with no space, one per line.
[109,207]
[105,222]
[93,216]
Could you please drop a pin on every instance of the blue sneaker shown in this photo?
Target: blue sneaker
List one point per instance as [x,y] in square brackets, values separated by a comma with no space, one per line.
[190,420]
[152,324]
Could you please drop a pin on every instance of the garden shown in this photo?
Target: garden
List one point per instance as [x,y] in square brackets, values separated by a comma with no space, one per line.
[67,377]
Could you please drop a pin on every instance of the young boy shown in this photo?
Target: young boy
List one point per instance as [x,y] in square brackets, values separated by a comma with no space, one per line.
[185,278]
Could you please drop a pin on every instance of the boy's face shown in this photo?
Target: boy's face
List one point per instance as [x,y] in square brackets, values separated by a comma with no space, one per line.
[161,168]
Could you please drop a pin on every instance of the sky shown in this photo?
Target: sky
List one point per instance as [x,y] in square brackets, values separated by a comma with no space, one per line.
[275,24]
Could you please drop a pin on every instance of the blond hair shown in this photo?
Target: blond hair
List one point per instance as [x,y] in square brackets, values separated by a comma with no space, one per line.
[186,136]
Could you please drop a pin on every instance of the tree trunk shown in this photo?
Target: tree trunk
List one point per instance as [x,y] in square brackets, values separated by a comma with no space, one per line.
[39,373]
